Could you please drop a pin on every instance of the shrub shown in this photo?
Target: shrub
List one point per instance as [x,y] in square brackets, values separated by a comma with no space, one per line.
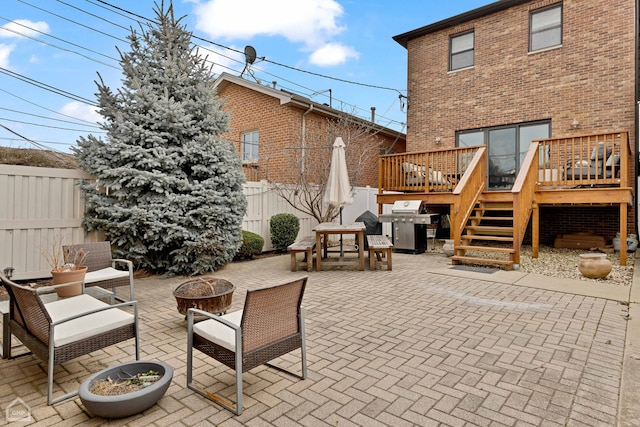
[284,230]
[252,245]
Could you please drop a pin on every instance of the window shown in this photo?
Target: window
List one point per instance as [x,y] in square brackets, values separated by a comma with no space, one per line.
[461,48]
[250,147]
[545,28]
[507,147]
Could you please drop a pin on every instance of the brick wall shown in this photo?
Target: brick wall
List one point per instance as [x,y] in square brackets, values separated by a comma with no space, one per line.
[280,138]
[589,78]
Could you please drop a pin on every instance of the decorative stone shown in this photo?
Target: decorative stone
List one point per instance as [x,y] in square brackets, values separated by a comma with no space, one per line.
[594,266]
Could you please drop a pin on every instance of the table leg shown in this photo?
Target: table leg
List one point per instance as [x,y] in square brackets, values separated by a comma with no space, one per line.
[361,249]
[319,251]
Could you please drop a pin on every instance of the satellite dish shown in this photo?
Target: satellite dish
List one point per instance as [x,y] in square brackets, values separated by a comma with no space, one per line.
[250,54]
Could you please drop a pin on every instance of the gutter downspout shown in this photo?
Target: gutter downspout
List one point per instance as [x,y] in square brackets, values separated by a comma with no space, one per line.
[304,139]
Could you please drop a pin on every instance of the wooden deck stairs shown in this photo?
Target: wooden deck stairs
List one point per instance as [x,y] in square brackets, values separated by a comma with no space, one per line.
[488,235]
[489,227]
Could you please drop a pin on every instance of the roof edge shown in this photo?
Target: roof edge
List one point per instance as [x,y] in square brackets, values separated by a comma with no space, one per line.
[403,39]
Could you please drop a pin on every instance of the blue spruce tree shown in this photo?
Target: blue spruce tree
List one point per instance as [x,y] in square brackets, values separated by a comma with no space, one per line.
[169,187]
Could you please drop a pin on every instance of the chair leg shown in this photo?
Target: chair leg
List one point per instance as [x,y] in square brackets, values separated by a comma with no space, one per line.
[237,409]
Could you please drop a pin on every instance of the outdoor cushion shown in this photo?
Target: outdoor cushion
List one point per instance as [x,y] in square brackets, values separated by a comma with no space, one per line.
[86,326]
[104,274]
[219,333]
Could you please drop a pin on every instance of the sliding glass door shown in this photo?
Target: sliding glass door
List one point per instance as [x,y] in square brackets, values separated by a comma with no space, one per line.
[507,146]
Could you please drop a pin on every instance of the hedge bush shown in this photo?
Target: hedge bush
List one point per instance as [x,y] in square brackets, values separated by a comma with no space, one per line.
[252,245]
[284,230]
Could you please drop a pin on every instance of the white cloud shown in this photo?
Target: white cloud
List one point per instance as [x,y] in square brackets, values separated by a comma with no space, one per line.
[23,27]
[5,50]
[309,22]
[82,111]
[332,54]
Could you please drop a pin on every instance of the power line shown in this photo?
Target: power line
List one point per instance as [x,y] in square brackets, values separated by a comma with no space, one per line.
[49,118]
[47,87]
[58,47]
[72,21]
[35,144]
[263,59]
[44,126]
[44,108]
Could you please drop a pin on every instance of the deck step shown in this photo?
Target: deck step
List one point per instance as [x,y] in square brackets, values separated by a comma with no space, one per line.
[506,208]
[486,248]
[461,258]
[487,238]
[490,229]
[494,218]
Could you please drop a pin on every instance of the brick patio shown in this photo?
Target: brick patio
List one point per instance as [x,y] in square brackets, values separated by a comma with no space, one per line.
[422,345]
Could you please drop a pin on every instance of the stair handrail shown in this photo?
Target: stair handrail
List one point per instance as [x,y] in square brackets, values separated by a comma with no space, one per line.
[523,192]
[469,188]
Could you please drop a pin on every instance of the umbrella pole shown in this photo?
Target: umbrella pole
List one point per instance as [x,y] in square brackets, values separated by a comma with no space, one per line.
[341,248]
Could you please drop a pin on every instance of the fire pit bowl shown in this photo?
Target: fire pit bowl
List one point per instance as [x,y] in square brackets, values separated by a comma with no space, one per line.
[206,293]
[127,404]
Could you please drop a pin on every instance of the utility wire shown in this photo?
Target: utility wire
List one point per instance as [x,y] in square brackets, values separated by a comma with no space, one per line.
[44,126]
[35,143]
[72,21]
[96,126]
[47,87]
[57,47]
[44,108]
[263,58]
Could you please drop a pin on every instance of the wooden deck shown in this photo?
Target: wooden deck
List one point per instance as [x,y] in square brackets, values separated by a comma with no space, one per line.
[584,170]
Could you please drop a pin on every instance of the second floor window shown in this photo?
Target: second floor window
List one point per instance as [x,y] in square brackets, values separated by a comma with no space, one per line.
[545,28]
[250,147]
[461,48]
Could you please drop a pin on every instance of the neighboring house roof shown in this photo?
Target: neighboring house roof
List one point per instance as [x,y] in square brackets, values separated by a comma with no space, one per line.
[404,38]
[289,98]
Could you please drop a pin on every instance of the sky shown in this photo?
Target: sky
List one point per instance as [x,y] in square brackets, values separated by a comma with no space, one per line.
[338,52]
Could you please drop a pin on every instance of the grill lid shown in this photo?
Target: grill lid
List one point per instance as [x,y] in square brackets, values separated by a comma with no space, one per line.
[406,207]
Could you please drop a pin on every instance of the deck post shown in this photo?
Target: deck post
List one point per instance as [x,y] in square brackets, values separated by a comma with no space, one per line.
[535,230]
[623,234]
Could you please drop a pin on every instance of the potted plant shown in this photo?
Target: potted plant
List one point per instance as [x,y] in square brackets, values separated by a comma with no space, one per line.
[66,267]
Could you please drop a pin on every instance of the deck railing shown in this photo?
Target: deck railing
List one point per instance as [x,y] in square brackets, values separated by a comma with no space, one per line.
[585,160]
[424,171]
[523,192]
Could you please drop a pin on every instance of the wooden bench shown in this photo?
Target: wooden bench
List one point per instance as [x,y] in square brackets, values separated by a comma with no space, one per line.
[307,245]
[380,248]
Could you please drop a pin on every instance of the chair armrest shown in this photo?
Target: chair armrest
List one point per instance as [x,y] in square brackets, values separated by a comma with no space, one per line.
[193,311]
[49,289]
[122,261]
[134,304]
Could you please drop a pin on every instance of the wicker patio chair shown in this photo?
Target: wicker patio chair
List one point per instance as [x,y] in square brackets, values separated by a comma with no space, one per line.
[101,267]
[64,329]
[270,325]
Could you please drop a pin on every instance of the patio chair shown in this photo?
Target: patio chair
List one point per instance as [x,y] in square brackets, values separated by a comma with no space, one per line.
[64,329]
[270,325]
[101,269]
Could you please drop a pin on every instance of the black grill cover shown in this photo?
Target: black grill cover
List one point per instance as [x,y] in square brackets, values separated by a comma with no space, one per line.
[373,226]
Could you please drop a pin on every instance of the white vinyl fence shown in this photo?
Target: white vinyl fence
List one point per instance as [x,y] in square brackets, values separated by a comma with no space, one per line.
[40,205]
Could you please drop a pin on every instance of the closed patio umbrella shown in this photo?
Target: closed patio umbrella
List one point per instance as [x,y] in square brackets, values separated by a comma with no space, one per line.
[338,190]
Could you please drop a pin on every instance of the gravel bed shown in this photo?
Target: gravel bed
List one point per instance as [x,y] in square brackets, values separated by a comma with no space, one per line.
[564,263]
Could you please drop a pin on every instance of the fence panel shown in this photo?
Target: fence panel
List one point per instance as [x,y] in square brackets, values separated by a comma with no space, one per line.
[40,205]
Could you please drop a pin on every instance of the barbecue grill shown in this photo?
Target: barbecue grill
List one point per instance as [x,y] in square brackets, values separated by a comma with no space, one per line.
[409,226]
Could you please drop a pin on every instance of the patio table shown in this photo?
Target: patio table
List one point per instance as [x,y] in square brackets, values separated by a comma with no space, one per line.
[325,229]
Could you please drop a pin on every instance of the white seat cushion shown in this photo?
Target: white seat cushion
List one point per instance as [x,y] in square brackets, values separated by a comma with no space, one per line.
[104,274]
[86,326]
[218,333]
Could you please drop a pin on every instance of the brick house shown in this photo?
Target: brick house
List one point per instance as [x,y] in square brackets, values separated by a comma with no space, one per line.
[563,73]
[274,129]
